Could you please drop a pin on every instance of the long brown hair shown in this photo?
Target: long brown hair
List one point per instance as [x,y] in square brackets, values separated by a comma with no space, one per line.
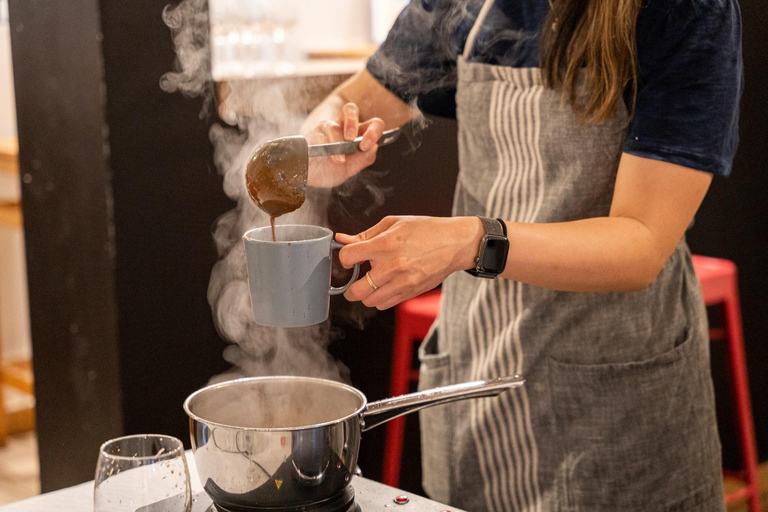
[594,39]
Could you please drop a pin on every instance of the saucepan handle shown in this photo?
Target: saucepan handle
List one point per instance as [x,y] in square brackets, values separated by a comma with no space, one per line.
[384,410]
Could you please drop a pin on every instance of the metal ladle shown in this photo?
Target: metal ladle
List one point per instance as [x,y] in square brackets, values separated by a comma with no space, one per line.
[276,173]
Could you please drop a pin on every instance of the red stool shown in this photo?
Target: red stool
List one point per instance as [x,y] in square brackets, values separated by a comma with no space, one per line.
[719,286]
[413,318]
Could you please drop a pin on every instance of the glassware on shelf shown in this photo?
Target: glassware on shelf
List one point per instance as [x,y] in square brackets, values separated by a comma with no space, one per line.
[249,37]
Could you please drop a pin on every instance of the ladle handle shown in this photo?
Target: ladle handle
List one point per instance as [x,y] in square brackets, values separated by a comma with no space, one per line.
[352,146]
[384,410]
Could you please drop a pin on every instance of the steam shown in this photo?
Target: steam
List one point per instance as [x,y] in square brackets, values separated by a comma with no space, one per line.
[271,112]
[259,110]
[188,22]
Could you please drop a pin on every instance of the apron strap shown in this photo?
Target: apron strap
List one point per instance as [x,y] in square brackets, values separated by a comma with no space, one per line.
[470,44]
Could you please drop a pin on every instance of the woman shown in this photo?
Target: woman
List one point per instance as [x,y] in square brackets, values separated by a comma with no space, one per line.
[589,132]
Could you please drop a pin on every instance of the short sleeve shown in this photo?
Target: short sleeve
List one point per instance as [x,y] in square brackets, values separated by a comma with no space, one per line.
[417,61]
[689,85]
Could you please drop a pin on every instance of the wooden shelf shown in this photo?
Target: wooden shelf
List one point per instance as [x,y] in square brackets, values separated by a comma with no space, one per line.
[18,374]
[731,484]
[307,68]
[362,51]
[9,156]
[252,97]
[10,215]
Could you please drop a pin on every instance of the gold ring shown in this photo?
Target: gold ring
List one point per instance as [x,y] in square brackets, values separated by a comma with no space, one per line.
[370,281]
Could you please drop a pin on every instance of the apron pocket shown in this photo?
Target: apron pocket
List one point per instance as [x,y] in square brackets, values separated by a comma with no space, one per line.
[435,422]
[637,436]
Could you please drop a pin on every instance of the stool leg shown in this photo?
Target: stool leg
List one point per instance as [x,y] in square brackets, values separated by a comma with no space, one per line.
[740,390]
[401,369]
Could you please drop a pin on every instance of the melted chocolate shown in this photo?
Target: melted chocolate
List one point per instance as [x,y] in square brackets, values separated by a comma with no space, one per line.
[276,175]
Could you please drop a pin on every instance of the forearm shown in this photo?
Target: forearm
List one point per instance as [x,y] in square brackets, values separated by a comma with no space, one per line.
[328,109]
[598,254]
[371,98]
[653,203]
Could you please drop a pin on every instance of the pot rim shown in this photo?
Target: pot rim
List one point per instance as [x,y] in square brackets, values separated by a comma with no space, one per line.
[279,227]
[233,382]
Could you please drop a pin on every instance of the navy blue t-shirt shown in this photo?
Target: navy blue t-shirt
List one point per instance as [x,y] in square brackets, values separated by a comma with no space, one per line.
[689,67]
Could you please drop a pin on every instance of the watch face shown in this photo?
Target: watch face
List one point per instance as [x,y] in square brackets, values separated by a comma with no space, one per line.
[494,255]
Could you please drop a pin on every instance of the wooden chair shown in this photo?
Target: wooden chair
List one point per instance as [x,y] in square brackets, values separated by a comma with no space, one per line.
[16,374]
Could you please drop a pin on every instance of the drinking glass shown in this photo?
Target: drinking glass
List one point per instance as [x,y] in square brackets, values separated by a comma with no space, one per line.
[249,37]
[280,16]
[137,471]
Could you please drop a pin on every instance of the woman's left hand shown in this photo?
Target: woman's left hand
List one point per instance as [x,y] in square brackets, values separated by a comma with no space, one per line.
[408,256]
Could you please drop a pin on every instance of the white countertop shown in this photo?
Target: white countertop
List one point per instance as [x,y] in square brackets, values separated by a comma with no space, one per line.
[79,498]
[378,497]
[10,184]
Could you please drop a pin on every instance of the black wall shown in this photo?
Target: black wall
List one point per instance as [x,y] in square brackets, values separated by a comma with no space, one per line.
[119,198]
[167,195]
[68,231]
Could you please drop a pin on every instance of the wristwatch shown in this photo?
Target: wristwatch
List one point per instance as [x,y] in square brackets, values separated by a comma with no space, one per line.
[492,254]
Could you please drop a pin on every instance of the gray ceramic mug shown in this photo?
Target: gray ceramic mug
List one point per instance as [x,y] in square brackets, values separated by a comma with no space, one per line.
[290,279]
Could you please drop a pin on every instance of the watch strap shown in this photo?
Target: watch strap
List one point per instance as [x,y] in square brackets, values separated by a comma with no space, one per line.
[495,227]
[492,226]
[503,226]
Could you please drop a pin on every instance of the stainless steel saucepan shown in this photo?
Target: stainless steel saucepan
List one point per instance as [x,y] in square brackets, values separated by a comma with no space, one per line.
[286,442]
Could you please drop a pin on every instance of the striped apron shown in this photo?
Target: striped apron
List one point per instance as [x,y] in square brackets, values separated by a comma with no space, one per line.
[617,413]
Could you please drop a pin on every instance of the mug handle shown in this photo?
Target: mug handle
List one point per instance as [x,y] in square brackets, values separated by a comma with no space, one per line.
[336,290]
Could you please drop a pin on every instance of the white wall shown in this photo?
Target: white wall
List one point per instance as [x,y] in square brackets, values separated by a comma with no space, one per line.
[332,23]
[7,107]
[14,304]
[344,23]
[383,15]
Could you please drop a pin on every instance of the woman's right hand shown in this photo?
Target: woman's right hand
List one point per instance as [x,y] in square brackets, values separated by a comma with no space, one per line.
[332,171]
